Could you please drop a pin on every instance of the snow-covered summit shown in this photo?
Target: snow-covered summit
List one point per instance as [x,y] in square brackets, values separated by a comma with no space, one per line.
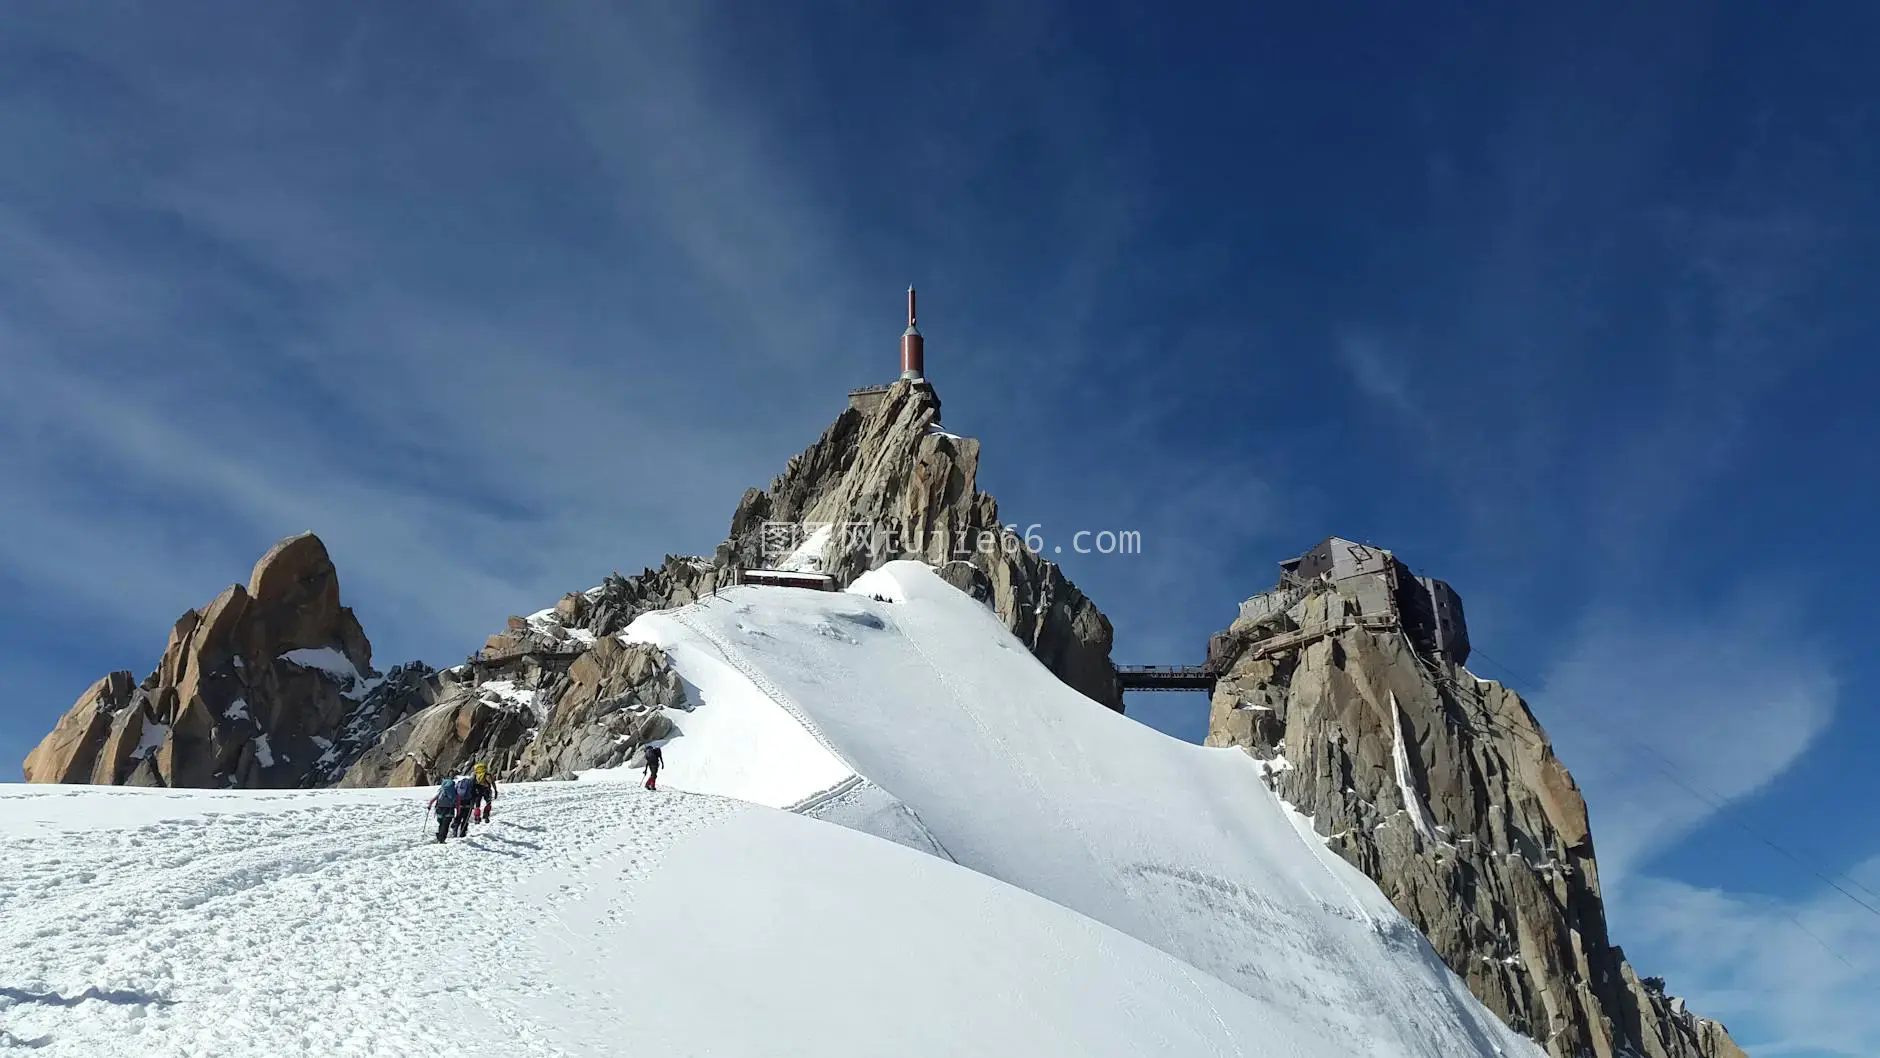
[923,721]
[1072,883]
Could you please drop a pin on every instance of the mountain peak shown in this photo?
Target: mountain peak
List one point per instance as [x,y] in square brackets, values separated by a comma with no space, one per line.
[887,482]
[1347,678]
[269,685]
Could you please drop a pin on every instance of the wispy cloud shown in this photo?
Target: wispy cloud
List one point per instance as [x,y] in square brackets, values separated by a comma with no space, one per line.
[1670,718]
[1379,372]
[376,340]
[1595,367]
[1722,701]
[494,303]
[1797,974]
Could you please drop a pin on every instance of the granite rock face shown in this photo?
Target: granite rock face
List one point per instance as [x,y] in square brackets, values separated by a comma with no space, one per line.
[270,685]
[1444,789]
[556,691]
[100,734]
[548,705]
[606,708]
[459,729]
[889,483]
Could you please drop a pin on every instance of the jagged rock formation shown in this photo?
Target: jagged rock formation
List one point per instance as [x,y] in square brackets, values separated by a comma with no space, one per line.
[580,618]
[555,692]
[269,686]
[545,698]
[445,738]
[889,483]
[1445,790]
[1349,677]
[607,707]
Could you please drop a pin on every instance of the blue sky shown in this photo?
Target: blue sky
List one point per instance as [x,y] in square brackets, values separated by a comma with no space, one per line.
[1569,306]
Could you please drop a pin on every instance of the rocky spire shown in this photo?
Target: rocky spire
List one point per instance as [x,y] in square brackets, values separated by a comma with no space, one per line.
[890,483]
[269,685]
[555,693]
[1444,789]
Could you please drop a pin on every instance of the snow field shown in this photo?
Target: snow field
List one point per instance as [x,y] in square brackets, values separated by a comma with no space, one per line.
[321,922]
[1074,884]
[1018,777]
[758,751]
[587,920]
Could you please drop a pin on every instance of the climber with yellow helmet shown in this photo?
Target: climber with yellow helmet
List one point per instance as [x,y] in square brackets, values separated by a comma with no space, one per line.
[483,798]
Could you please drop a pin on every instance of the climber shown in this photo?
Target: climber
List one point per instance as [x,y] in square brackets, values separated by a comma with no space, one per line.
[466,802]
[485,797]
[444,803]
[654,758]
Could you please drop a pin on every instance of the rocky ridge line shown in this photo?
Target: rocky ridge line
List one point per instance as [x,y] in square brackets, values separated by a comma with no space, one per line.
[271,684]
[555,692]
[1443,788]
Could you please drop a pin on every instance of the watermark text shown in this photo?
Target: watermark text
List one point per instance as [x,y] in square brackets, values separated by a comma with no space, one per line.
[781,541]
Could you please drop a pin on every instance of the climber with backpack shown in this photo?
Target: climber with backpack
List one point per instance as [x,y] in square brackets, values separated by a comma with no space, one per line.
[466,803]
[654,758]
[485,797]
[444,803]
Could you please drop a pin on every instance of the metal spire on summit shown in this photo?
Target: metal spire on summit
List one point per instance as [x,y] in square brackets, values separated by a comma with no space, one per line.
[913,352]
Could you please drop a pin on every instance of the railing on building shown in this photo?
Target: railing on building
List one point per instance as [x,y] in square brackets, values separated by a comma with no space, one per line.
[1165,677]
[787,578]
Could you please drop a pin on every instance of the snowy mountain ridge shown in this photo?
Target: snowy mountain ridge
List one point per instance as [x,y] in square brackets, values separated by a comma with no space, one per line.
[941,704]
[979,753]
[1074,883]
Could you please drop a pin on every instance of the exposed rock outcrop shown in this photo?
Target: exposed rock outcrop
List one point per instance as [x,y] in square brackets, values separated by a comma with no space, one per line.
[270,685]
[556,692]
[100,734]
[881,484]
[889,484]
[446,738]
[580,618]
[532,713]
[606,708]
[1445,790]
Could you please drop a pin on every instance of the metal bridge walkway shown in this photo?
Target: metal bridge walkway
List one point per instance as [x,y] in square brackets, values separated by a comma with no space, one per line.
[1165,677]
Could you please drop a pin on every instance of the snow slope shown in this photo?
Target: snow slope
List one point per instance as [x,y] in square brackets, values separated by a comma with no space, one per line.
[588,919]
[1075,884]
[963,736]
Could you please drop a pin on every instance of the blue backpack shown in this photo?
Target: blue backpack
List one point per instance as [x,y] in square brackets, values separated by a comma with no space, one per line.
[447,793]
[466,789]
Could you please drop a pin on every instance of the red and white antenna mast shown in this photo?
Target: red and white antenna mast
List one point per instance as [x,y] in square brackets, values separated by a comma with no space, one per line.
[913,352]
